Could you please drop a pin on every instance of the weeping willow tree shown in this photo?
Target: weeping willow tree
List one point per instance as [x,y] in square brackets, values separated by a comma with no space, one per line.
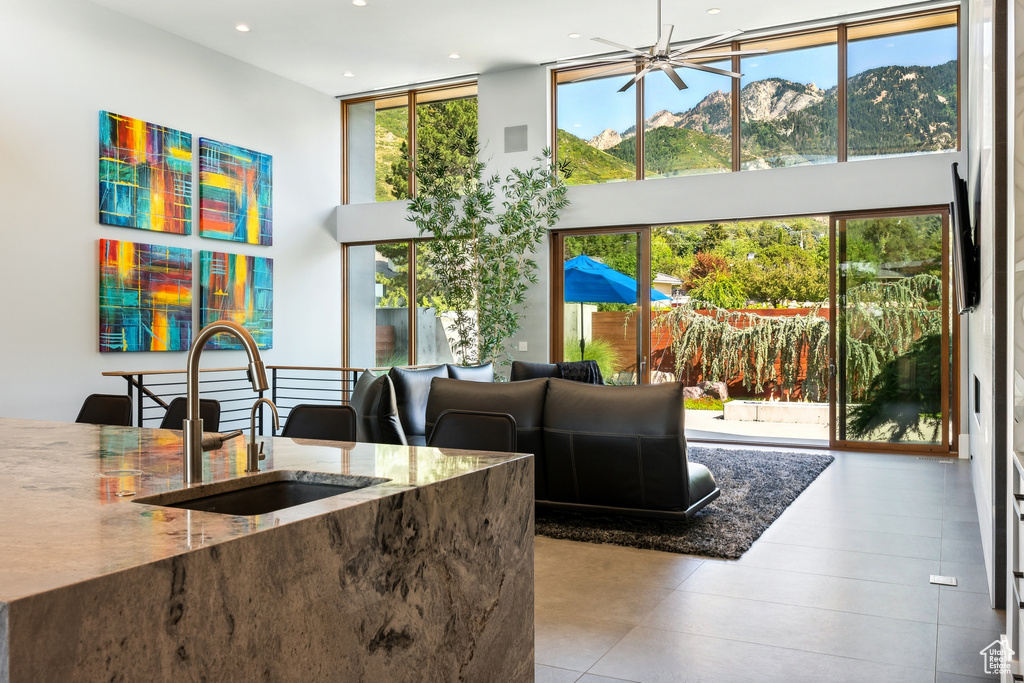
[879,323]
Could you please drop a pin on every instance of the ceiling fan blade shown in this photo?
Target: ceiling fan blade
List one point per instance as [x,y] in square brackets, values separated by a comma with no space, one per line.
[673,76]
[622,47]
[640,74]
[710,69]
[664,40]
[704,43]
[705,55]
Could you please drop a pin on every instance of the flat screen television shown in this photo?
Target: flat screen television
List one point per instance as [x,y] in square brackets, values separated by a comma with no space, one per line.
[966,265]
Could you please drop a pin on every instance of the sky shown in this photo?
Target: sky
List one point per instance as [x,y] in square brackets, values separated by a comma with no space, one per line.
[585,109]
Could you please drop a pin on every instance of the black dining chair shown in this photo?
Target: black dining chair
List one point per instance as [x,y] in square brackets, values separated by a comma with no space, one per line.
[325,422]
[106,409]
[177,410]
[475,431]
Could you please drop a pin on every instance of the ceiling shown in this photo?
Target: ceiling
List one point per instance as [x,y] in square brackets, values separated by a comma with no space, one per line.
[389,43]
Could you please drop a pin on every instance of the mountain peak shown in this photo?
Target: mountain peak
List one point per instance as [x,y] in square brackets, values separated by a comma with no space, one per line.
[774,98]
[605,139]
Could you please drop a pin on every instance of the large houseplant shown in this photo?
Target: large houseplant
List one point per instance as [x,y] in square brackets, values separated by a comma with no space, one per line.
[480,257]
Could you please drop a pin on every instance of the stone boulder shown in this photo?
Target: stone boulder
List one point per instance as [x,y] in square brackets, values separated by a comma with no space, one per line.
[693,392]
[717,389]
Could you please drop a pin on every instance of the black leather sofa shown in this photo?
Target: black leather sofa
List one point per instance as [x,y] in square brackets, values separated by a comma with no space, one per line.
[597,448]
[412,386]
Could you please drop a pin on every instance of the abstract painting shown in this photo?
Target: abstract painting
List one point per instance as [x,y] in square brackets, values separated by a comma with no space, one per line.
[145,175]
[240,289]
[145,297]
[235,193]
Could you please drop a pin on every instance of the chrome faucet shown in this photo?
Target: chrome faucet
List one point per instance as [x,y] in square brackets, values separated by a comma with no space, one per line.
[254,453]
[192,427]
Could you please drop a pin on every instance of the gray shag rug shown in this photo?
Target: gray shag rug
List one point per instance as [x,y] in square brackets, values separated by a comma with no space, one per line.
[756,487]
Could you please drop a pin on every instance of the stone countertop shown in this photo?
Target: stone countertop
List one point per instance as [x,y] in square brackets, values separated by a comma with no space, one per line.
[66,492]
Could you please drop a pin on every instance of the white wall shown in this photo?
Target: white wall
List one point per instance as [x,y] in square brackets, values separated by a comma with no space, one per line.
[61,62]
[522,96]
[987,327]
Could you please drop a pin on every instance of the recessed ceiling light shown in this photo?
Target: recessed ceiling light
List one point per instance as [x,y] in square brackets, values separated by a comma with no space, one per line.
[359,3]
[714,10]
[244,28]
[574,35]
[348,74]
[454,55]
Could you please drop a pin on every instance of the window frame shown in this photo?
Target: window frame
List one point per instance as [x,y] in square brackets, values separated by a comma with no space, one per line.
[559,76]
[413,97]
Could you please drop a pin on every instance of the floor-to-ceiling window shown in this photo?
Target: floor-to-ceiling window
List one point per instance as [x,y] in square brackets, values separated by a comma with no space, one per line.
[805,329]
[383,143]
[853,90]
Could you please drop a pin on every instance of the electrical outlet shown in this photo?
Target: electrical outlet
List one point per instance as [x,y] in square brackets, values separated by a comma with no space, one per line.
[522,346]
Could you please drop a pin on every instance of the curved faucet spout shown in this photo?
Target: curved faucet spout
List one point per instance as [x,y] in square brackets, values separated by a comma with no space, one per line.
[192,428]
[255,452]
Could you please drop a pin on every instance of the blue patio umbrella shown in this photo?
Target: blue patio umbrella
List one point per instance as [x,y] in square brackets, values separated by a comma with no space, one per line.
[587,281]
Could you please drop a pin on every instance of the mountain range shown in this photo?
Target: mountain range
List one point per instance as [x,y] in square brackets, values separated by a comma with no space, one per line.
[891,110]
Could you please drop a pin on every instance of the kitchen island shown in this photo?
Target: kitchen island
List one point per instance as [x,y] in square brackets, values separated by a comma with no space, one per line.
[426,576]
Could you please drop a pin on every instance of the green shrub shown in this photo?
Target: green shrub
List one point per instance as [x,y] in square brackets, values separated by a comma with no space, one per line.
[703,403]
[598,349]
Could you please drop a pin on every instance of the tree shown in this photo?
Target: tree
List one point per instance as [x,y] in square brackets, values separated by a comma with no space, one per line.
[480,255]
[440,129]
[783,272]
[720,290]
[704,266]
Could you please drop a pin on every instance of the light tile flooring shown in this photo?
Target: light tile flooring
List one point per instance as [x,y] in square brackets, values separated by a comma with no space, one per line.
[835,590]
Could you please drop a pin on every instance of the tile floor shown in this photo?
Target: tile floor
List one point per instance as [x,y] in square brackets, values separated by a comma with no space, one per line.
[835,590]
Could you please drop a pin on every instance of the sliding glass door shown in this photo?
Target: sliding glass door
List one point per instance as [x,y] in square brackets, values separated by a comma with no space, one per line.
[600,308]
[891,339]
[808,330]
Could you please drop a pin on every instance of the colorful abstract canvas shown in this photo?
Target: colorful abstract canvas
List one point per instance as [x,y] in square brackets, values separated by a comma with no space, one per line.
[145,297]
[145,175]
[237,288]
[235,193]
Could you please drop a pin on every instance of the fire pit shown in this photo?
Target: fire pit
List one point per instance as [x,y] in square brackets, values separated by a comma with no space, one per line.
[777,411]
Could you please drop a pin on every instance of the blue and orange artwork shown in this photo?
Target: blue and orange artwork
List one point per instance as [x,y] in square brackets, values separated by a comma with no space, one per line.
[145,175]
[235,193]
[145,297]
[240,289]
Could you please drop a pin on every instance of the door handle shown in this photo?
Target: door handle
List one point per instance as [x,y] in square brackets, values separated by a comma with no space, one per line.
[832,370]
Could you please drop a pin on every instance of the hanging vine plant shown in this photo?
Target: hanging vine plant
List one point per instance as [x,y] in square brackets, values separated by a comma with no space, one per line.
[879,321]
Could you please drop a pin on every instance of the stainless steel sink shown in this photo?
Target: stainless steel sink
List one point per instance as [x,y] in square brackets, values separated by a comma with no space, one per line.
[261,493]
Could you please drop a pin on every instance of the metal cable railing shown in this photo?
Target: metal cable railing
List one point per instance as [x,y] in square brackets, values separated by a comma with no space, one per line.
[290,385]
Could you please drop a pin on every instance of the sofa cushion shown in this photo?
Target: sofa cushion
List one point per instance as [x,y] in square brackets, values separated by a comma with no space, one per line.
[524,401]
[412,386]
[472,373]
[373,399]
[617,446]
[522,370]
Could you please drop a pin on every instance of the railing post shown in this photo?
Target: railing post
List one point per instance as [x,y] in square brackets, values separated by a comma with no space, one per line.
[273,387]
[142,397]
[130,394]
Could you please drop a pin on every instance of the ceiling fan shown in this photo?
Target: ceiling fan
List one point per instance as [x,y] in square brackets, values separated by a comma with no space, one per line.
[662,57]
